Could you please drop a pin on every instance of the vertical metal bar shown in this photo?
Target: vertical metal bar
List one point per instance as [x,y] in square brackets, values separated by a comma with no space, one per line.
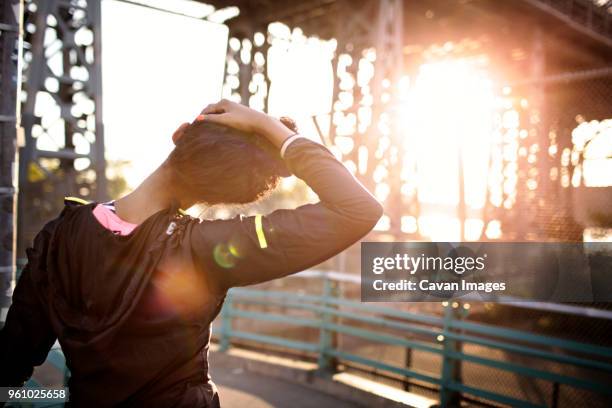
[65,94]
[461,208]
[445,377]
[554,403]
[331,131]
[226,323]
[388,70]
[27,153]
[408,365]
[11,17]
[326,338]
[95,83]
[264,49]
[450,368]
[243,30]
[245,73]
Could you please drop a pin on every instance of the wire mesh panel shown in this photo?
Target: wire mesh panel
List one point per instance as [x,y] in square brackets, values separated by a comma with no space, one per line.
[555,168]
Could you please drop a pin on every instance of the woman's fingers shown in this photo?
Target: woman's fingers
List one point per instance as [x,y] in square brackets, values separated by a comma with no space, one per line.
[178,133]
[231,114]
[220,118]
[212,108]
[218,107]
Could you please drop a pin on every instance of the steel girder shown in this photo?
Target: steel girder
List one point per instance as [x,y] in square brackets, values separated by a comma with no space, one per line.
[62,108]
[10,83]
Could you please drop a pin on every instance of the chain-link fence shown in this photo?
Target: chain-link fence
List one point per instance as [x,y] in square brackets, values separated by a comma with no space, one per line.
[561,161]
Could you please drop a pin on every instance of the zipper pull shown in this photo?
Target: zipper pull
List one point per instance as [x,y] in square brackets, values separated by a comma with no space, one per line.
[171,228]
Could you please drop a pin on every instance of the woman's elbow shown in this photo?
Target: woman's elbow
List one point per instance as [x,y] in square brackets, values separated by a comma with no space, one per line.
[376,212]
[371,211]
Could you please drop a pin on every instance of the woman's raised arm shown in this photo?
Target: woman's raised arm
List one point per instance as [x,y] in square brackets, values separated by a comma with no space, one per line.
[248,250]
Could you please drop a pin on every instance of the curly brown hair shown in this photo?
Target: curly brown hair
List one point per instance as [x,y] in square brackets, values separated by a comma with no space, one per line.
[216,164]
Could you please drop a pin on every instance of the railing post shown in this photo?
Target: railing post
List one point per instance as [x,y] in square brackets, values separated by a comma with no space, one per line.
[408,365]
[326,362]
[67,375]
[226,322]
[555,395]
[451,369]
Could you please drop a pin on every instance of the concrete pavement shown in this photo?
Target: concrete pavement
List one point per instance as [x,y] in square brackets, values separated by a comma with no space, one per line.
[240,388]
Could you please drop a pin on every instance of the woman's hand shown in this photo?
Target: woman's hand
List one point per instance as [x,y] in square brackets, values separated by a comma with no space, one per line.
[234,115]
[243,118]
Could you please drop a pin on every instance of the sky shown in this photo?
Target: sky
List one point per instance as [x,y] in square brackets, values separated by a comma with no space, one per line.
[159,70]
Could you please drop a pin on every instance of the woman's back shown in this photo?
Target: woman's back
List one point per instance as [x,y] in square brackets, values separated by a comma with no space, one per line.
[131,313]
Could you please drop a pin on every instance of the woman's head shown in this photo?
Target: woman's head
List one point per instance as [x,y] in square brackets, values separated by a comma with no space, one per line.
[216,164]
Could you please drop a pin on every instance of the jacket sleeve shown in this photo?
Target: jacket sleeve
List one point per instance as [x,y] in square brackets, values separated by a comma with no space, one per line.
[249,250]
[27,336]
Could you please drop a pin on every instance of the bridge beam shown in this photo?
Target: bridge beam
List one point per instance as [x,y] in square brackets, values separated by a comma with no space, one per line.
[595,22]
[62,73]
[11,13]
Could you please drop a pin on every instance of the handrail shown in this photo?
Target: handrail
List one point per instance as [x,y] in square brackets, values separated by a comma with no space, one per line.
[255,293]
[350,315]
[533,338]
[444,336]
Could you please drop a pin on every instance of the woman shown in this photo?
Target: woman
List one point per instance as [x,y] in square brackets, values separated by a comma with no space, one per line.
[130,288]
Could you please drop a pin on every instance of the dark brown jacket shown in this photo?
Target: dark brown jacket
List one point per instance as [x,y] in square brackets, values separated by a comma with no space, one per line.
[133,313]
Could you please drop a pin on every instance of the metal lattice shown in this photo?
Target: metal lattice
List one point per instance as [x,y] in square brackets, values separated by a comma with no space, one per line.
[62,110]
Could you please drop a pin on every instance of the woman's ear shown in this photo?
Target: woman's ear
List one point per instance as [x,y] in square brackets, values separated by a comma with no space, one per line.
[178,133]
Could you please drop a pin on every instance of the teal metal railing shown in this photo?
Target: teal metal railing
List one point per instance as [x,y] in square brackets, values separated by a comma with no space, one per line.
[445,336]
